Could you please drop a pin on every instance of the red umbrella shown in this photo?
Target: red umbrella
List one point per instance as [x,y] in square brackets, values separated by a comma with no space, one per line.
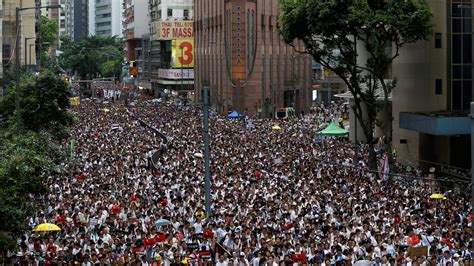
[164,202]
[149,242]
[447,241]
[116,208]
[160,238]
[257,174]
[133,198]
[397,219]
[469,217]
[413,240]
[289,226]
[208,234]
[82,176]
[61,218]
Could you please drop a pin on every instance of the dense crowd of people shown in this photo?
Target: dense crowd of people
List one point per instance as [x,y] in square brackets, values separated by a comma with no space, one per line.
[278,198]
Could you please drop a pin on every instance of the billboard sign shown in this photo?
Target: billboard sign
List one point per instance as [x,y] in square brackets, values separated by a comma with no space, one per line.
[182,55]
[171,30]
[176,73]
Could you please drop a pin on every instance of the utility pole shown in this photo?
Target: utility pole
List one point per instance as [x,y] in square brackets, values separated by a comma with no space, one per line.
[17,68]
[207,174]
[472,171]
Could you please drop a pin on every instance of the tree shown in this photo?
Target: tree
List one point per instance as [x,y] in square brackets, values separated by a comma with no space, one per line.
[25,160]
[92,55]
[33,154]
[49,32]
[49,39]
[44,103]
[331,29]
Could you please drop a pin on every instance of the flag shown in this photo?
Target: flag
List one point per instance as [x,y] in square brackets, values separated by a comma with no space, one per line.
[385,169]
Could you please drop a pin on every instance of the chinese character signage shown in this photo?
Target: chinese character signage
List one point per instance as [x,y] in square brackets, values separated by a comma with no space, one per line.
[170,30]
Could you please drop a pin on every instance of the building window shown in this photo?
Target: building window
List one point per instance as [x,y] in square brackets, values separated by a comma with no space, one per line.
[186,14]
[439,86]
[170,12]
[438,40]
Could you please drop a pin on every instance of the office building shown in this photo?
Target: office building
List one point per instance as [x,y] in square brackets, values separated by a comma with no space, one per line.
[135,23]
[76,18]
[245,62]
[108,18]
[171,46]
[434,91]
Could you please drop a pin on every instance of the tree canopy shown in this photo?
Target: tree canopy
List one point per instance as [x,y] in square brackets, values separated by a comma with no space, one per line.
[334,30]
[92,55]
[49,39]
[29,156]
[44,103]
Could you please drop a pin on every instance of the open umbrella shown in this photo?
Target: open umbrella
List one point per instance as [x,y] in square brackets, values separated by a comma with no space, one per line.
[437,196]
[162,222]
[276,127]
[46,227]
[106,110]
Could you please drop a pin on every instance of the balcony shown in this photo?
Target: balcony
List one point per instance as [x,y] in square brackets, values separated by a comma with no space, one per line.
[436,123]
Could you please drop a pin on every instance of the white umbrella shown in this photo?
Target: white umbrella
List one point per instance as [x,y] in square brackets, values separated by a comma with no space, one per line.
[162,222]
[197,154]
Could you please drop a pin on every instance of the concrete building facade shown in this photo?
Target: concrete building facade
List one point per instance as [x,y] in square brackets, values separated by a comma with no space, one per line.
[171,25]
[27,26]
[434,90]
[244,60]
[108,18]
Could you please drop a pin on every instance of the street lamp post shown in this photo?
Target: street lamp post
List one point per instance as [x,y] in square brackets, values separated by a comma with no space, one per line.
[207,173]
[17,57]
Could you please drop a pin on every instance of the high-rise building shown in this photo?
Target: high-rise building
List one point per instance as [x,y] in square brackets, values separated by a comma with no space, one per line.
[108,17]
[136,34]
[81,20]
[76,18]
[243,59]
[171,49]
[434,89]
[91,14]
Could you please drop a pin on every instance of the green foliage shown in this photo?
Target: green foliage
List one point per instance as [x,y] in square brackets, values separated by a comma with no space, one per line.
[25,160]
[29,156]
[49,32]
[92,55]
[44,103]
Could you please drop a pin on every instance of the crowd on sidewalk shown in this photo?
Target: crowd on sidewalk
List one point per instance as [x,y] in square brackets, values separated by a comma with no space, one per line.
[278,198]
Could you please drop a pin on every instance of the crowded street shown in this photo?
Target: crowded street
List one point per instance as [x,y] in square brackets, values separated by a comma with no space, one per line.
[279,196]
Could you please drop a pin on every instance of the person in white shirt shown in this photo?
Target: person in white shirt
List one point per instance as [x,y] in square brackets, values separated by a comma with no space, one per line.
[222,261]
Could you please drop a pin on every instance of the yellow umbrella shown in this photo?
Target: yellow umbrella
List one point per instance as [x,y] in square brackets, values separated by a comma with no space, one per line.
[437,196]
[46,227]
[106,110]
[276,127]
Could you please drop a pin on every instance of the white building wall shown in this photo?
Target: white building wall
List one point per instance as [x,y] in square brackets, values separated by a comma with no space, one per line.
[116,18]
[177,7]
[141,18]
[91,17]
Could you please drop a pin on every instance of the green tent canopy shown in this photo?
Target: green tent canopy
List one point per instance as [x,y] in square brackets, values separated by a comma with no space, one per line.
[333,130]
